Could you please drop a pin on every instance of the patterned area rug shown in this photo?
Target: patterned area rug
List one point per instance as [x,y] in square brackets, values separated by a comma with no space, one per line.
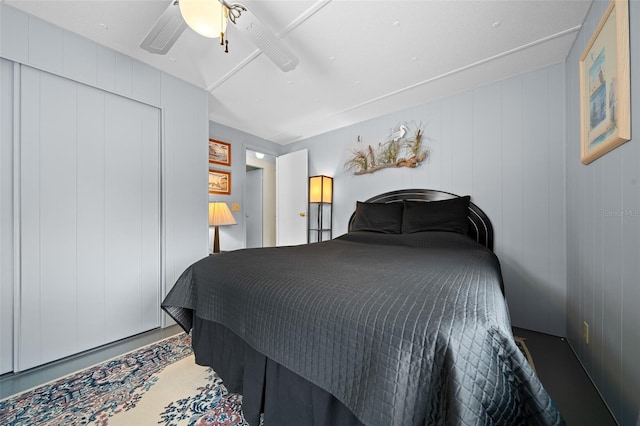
[157,384]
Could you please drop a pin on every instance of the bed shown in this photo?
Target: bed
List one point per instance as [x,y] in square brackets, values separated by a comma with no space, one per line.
[400,321]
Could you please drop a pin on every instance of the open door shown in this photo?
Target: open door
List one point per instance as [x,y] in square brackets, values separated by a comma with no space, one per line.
[291,195]
[253,207]
[260,199]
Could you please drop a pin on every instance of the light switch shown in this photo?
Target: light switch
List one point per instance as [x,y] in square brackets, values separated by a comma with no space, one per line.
[235,207]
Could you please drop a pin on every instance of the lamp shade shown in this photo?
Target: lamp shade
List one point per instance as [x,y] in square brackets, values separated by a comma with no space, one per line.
[219,214]
[320,189]
[206,17]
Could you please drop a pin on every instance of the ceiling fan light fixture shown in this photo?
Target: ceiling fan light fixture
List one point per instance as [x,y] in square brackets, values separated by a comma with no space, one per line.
[206,17]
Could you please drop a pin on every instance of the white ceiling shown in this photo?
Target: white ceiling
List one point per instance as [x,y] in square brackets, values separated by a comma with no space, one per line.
[358,59]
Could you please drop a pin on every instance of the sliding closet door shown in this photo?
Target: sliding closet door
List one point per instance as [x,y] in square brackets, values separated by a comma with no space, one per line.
[6,216]
[89,217]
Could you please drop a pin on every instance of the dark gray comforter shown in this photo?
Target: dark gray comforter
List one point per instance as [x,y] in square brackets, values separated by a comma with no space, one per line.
[408,329]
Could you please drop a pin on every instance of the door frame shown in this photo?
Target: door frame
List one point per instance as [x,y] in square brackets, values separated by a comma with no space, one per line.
[248,147]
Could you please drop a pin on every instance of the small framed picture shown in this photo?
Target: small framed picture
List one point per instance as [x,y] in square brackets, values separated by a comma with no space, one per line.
[219,182]
[219,152]
[605,89]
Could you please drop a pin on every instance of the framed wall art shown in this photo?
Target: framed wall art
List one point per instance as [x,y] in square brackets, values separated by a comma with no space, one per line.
[219,152]
[219,182]
[605,104]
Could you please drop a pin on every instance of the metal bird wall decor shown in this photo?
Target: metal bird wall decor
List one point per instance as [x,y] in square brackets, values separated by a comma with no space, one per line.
[403,148]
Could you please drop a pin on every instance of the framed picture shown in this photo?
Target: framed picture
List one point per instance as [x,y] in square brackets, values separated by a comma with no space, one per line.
[605,104]
[219,152]
[219,182]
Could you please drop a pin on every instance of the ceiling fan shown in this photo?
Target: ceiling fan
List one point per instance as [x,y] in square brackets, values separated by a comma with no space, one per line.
[182,13]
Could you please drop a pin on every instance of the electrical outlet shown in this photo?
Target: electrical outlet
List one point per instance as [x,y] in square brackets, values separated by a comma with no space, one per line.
[585,332]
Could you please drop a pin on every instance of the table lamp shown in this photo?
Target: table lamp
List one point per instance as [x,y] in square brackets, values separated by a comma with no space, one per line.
[219,214]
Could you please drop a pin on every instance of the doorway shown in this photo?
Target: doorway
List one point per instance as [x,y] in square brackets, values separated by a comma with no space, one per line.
[260,199]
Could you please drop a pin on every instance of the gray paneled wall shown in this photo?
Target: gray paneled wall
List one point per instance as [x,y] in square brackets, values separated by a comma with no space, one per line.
[6,217]
[233,237]
[603,242]
[503,145]
[184,176]
[183,133]
[89,185]
[28,40]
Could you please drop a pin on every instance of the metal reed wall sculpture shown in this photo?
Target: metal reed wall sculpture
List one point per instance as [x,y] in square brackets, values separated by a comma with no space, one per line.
[403,148]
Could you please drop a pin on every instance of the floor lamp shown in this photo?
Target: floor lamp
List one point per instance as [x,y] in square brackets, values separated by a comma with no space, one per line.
[321,193]
[219,214]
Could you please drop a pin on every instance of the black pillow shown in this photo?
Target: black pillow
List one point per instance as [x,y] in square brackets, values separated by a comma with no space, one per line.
[444,215]
[378,217]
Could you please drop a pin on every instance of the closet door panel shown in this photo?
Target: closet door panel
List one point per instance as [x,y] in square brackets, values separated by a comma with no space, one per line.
[29,336]
[58,208]
[151,206]
[90,221]
[6,216]
[123,216]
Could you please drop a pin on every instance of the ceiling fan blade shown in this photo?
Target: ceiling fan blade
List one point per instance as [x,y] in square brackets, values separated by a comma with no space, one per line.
[165,31]
[267,41]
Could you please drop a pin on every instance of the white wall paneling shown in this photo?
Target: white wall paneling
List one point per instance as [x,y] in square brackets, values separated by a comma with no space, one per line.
[535,203]
[603,234]
[185,177]
[6,216]
[14,31]
[28,40]
[180,215]
[90,217]
[501,144]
